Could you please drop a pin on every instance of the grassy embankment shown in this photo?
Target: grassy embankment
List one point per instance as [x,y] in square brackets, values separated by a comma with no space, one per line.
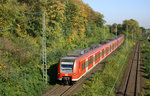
[101,84]
[146,66]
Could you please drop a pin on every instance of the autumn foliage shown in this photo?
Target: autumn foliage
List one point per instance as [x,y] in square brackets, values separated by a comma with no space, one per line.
[70,25]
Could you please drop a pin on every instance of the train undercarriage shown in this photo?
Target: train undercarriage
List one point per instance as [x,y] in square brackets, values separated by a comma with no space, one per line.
[67,80]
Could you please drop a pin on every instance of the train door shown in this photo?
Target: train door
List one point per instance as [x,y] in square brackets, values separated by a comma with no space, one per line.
[110,48]
[82,66]
[90,62]
[103,53]
[117,43]
[86,64]
[113,46]
[100,55]
[107,51]
[93,60]
[96,57]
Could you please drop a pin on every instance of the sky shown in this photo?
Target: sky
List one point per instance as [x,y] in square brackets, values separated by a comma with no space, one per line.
[116,11]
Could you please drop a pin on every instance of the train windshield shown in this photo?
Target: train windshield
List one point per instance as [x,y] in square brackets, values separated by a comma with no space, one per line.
[67,65]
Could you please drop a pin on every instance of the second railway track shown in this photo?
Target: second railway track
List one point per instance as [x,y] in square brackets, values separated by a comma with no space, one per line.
[130,85]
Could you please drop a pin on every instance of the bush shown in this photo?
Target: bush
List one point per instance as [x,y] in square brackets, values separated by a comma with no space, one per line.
[146,62]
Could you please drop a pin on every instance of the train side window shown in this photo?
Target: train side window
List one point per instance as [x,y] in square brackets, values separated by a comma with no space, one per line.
[91,60]
[104,52]
[84,65]
[101,54]
[79,65]
[107,50]
[98,55]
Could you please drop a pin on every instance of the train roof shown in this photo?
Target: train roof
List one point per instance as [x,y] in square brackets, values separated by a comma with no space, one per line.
[79,52]
[68,57]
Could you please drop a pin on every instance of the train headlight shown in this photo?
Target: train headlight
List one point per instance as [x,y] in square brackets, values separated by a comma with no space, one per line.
[74,74]
[58,73]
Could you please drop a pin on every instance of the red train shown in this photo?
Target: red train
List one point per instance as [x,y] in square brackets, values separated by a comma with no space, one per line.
[80,62]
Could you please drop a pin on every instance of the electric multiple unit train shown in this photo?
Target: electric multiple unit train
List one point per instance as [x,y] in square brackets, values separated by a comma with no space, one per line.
[79,62]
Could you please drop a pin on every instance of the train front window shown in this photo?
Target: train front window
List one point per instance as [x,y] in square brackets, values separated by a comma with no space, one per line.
[66,66]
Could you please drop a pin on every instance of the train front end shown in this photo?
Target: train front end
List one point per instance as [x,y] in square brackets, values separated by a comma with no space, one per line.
[65,69]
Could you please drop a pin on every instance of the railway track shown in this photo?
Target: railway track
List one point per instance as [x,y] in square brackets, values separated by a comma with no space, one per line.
[130,85]
[59,90]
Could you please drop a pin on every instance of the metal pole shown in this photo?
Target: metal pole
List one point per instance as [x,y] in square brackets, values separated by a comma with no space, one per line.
[135,34]
[111,30]
[104,32]
[44,50]
[146,33]
[127,36]
[116,30]
[132,35]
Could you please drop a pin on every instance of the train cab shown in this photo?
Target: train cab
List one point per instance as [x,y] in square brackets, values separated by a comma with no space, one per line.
[65,69]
